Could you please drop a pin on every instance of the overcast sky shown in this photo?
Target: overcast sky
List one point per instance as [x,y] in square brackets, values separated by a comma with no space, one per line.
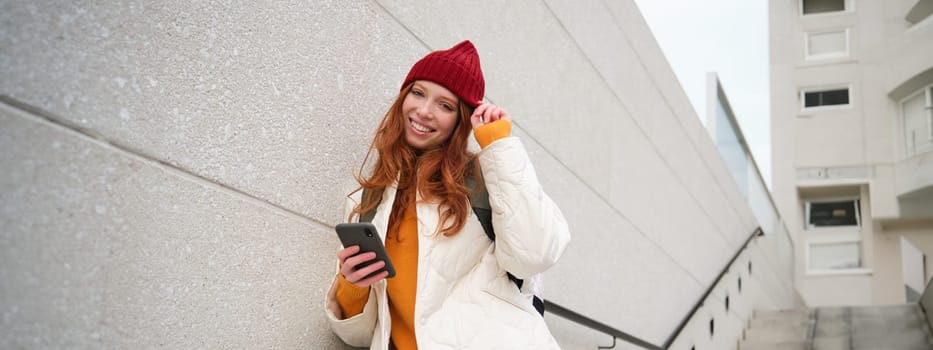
[729,37]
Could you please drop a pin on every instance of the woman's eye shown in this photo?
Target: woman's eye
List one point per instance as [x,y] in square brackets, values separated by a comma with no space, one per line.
[447,107]
[417,93]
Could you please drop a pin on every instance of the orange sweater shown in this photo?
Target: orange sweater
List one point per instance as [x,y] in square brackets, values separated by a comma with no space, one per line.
[402,247]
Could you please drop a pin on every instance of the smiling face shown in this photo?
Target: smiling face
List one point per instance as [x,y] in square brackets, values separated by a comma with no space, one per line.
[431,113]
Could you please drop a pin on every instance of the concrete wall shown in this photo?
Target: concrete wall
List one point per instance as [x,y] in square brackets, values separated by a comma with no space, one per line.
[860,146]
[174,170]
[890,288]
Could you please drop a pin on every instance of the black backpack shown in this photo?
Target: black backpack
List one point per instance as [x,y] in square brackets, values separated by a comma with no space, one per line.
[479,200]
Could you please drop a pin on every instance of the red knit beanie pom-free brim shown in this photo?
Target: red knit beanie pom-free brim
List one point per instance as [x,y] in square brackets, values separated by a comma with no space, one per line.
[456,69]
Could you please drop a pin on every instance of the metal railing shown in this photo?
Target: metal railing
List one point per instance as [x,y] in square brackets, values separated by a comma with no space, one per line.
[926,304]
[555,309]
[699,303]
[558,310]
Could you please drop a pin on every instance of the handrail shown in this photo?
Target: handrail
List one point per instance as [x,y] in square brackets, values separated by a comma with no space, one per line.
[553,308]
[699,303]
[556,309]
[926,303]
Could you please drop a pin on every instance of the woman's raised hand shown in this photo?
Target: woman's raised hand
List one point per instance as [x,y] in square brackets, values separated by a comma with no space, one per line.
[487,113]
[349,259]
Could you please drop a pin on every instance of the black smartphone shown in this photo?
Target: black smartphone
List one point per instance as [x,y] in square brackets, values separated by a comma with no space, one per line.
[364,234]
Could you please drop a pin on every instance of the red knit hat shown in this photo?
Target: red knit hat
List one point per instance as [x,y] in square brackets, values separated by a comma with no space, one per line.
[456,68]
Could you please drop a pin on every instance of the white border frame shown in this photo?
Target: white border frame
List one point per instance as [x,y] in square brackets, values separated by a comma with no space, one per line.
[830,241]
[802,96]
[826,56]
[848,7]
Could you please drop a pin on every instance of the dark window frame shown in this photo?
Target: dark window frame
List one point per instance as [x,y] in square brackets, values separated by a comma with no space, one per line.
[834,213]
[837,97]
[820,7]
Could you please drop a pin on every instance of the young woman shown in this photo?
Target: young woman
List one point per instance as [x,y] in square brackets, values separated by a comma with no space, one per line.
[451,289]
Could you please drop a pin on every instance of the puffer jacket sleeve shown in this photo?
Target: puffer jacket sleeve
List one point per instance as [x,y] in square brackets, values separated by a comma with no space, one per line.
[531,232]
[357,330]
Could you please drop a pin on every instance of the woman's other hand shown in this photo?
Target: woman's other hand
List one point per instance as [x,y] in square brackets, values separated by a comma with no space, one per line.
[349,260]
[487,113]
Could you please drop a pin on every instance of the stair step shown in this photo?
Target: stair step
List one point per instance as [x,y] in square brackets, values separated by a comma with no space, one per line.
[832,343]
[778,334]
[801,314]
[908,314]
[831,328]
[890,327]
[765,324]
[913,338]
[887,310]
[785,345]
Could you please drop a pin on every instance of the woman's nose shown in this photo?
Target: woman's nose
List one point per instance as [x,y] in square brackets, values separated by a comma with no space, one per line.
[424,110]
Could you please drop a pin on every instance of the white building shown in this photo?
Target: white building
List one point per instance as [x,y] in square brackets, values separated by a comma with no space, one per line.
[852,90]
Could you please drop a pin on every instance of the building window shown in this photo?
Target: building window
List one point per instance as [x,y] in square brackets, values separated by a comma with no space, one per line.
[838,255]
[809,7]
[833,237]
[917,111]
[825,98]
[830,44]
[835,249]
[833,213]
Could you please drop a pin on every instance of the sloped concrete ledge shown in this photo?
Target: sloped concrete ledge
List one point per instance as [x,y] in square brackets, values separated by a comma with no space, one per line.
[101,248]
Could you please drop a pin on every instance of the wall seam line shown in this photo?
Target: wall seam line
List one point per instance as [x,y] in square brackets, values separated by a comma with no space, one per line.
[42,116]
[654,147]
[598,194]
[585,183]
[670,108]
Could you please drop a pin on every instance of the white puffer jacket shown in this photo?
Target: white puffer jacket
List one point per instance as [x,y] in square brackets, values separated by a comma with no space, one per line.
[465,300]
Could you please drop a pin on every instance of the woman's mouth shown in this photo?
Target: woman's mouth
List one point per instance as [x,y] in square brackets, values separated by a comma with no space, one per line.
[419,127]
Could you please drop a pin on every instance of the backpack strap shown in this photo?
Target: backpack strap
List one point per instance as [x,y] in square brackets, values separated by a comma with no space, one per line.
[479,200]
[369,215]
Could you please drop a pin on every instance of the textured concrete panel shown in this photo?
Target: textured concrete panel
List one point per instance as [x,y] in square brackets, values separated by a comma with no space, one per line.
[534,70]
[278,100]
[637,164]
[102,249]
[637,89]
[629,19]
[611,271]
[639,37]
[571,335]
[589,128]
[668,214]
[783,274]
[271,107]
[772,277]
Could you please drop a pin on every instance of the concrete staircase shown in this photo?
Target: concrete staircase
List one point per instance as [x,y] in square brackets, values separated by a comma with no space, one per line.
[895,327]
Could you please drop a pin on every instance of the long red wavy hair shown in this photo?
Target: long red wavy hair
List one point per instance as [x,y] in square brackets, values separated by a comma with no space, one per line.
[439,173]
